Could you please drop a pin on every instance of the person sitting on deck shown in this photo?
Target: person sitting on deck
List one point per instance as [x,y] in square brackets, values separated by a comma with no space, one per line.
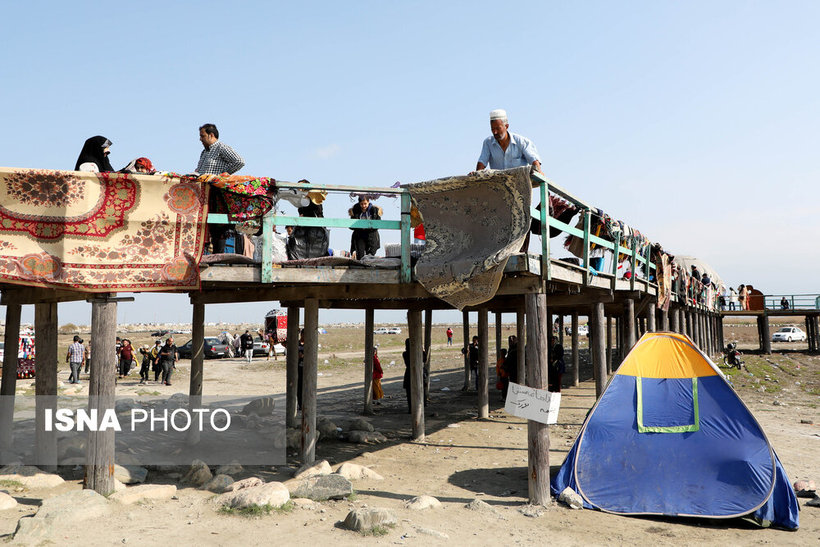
[94,156]
[364,241]
[784,304]
[505,150]
[215,159]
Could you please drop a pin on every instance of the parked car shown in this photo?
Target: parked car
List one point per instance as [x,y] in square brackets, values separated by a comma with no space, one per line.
[393,330]
[381,330]
[789,334]
[583,330]
[214,349]
[260,347]
[159,333]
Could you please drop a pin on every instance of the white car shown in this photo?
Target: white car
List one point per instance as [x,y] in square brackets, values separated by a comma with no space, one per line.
[789,334]
[393,330]
[381,330]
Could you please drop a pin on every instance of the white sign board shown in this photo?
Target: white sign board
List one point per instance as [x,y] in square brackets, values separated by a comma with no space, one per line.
[538,405]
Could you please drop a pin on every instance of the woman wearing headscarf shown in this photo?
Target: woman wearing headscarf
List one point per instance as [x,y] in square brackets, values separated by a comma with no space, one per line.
[139,166]
[94,156]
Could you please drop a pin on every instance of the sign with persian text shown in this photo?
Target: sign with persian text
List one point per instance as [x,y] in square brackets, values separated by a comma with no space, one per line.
[538,405]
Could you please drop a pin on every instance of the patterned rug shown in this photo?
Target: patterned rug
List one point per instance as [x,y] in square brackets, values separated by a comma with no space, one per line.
[473,224]
[103,232]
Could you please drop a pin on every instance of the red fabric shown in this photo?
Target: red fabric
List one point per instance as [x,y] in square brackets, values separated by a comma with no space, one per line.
[418,232]
[377,368]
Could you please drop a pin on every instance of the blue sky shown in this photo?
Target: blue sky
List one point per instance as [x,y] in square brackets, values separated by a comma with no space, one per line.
[694,121]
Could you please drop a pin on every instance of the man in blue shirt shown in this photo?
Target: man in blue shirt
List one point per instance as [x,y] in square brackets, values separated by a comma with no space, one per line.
[504,150]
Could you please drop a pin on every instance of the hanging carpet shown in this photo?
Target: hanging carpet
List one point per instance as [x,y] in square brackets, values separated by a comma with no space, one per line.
[100,232]
[473,224]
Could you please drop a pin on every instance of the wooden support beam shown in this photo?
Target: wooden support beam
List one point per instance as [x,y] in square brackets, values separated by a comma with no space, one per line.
[521,334]
[428,353]
[767,336]
[588,297]
[197,366]
[416,374]
[575,353]
[608,345]
[665,320]
[8,386]
[538,439]
[629,325]
[309,381]
[561,329]
[597,347]
[651,326]
[619,339]
[36,295]
[465,329]
[483,364]
[99,471]
[498,342]
[368,361]
[45,383]
[292,368]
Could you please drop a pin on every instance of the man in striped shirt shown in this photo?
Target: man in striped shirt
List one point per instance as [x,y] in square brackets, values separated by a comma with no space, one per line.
[75,359]
[217,158]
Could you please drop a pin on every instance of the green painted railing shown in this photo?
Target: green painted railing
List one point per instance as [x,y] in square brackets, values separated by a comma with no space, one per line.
[403,225]
[795,301]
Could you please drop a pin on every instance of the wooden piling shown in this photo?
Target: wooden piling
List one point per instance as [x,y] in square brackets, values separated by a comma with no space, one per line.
[575,353]
[197,367]
[767,337]
[99,470]
[664,320]
[498,342]
[292,367]
[465,322]
[673,320]
[561,329]
[538,440]
[368,361]
[8,387]
[521,334]
[428,353]
[651,325]
[416,374]
[483,364]
[45,383]
[629,325]
[608,345]
[597,337]
[309,380]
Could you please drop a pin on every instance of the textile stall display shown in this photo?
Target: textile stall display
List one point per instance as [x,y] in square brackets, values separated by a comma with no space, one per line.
[100,232]
[669,436]
[473,224]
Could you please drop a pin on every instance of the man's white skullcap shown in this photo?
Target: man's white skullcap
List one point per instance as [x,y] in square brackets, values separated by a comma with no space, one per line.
[498,114]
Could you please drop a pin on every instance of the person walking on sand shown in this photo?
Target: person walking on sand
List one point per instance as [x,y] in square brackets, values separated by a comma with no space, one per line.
[145,351]
[167,358]
[449,336]
[126,357]
[247,345]
[75,359]
[378,374]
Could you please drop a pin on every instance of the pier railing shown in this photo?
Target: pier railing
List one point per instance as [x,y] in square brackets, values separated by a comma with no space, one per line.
[639,260]
[795,301]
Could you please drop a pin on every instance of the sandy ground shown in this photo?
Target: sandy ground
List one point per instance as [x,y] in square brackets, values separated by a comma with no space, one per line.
[462,459]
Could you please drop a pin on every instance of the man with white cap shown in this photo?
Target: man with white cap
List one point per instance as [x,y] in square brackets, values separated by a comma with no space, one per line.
[504,150]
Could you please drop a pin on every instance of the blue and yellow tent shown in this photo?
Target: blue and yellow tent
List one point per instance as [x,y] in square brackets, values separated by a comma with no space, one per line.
[669,436]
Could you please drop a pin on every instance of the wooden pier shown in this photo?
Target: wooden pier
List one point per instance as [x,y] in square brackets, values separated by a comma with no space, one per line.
[535,287]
